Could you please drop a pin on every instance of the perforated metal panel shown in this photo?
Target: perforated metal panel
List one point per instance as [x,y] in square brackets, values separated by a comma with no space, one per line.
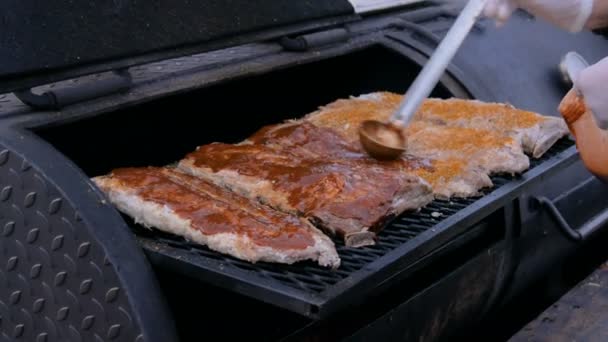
[57,278]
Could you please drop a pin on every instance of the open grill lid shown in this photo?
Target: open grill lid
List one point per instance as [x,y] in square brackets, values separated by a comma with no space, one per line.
[49,41]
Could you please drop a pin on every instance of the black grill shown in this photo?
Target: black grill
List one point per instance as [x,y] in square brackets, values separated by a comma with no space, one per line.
[307,282]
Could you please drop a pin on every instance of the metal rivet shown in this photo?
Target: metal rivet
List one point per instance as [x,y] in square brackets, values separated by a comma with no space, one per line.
[83,249]
[6,192]
[9,228]
[85,286]
[38,305]
[63,313]
[35,271]
[32,235]
[54,206]
[42,337]
[18,331]
[12,263]
[15,297]
[60,278]
[57,242]
[114,331]
[87,322]
[112,294]
[30,199]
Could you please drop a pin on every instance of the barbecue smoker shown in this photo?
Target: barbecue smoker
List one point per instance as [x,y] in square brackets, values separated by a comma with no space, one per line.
[90,86]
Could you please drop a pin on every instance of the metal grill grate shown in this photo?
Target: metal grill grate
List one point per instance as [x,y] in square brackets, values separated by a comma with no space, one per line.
[310,278]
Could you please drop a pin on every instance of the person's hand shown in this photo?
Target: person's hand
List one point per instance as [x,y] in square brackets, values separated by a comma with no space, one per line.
[590,83]
[571,15]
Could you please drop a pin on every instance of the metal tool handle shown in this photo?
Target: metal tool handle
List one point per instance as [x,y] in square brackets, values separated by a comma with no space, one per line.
[584,231]
[435,67]
[59,98]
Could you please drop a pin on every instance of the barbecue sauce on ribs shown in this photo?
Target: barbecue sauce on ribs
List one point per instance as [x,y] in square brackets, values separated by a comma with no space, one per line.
[213,210]
[321,175]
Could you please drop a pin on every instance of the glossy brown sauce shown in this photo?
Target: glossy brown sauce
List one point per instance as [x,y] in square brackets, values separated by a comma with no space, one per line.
[213,210]
[258,161]
[320,173]
[307,140]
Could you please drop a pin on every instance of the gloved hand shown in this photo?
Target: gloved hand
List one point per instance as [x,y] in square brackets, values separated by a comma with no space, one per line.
[590,83]
[571,15]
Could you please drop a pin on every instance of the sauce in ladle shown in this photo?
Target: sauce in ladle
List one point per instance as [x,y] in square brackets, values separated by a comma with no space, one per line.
[384,141]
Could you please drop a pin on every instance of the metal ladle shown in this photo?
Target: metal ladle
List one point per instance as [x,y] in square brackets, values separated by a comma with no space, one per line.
[386,140]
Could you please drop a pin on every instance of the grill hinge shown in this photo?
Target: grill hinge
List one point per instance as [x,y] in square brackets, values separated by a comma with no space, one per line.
[313,40]
[57,99]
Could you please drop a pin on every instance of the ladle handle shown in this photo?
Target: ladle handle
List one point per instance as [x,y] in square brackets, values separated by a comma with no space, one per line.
[435,67]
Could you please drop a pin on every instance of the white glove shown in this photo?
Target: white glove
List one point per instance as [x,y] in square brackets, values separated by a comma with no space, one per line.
[590,83]
[571,15]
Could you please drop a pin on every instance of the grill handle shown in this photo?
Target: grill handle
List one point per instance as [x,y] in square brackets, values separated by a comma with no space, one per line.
[577,235]
[59,98]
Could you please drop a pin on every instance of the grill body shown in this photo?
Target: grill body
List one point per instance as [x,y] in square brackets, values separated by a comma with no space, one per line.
[430,275]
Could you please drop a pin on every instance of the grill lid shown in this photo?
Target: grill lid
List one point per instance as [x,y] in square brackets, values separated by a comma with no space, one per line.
[49,41]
